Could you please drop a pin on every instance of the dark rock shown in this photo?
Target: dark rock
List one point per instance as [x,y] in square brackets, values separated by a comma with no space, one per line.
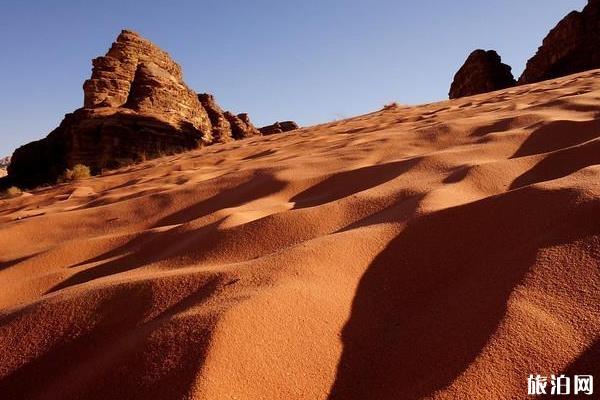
[572,46]
[482,72]
[221,128]
[241,127]
[99,141]
[279,127]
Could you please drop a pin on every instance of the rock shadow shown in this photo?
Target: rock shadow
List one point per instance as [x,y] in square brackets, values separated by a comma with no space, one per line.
[430,301]
[347,183]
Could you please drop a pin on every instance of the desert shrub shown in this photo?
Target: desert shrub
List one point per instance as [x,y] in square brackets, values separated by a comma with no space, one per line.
[11,192]
[79,171]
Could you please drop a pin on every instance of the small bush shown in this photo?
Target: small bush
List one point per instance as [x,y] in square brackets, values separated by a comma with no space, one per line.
[79,171]
[12,192]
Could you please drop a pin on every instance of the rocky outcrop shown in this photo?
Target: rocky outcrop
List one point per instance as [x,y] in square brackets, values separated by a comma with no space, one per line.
[226,125]
[221,128]
[279,127]
[572,46]
[4,162]
[137,75]
[136,106]
[482,72]
[241,127]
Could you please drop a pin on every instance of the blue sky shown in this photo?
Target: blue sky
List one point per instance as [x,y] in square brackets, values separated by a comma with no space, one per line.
[310,61]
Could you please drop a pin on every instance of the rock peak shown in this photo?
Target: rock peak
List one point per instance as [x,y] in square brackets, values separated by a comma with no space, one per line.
[482,72]
[136,106]
[570,47]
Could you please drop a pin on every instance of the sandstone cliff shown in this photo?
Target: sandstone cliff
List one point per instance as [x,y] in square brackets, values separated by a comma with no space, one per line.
[572,46]
[136,106]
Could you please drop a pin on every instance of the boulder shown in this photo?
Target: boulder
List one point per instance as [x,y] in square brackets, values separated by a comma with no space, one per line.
[572,46]
[482,72]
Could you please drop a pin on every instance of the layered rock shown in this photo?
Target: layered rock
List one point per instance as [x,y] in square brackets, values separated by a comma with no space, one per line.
[572,46]
[482,72]
[137,75]
[221,128]
[279,127]
[241,127]
[136,106]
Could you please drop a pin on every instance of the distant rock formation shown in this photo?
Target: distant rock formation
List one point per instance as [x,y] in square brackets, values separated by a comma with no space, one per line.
[482,72]
[136,106]
[572,46]
[279,127]
[241,127]
[226,125]
[221,128]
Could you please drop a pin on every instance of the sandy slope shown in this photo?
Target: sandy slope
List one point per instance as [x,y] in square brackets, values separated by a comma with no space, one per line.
[445,251]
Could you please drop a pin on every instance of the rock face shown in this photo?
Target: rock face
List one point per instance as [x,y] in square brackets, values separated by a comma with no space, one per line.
[136,106]
[4,162]
[221,128]
[279,127]
[482,72]
[137,75]
[241,127]
[572,46]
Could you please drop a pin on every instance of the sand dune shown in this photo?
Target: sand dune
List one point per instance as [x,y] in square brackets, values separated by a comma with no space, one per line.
[442,251]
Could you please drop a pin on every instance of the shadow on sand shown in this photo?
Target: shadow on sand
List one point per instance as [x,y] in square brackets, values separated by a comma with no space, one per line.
[429,302]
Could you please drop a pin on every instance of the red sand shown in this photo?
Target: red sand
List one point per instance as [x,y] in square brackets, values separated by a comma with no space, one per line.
[443,251]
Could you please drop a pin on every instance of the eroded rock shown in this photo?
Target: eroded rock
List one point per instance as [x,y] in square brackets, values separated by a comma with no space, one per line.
[279,127]
[482,72]
[572,46]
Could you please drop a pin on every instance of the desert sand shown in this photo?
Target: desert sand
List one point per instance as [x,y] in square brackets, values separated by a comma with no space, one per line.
[441,251]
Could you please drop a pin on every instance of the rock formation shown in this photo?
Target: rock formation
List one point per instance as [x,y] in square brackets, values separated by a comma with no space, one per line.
[482,72]
[221,128]
[278,127]
[136,106]
[4,162]
[226,125]
[572,46]
[241,127]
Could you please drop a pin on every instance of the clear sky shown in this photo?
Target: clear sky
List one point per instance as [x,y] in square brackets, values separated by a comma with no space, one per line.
[311,61]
